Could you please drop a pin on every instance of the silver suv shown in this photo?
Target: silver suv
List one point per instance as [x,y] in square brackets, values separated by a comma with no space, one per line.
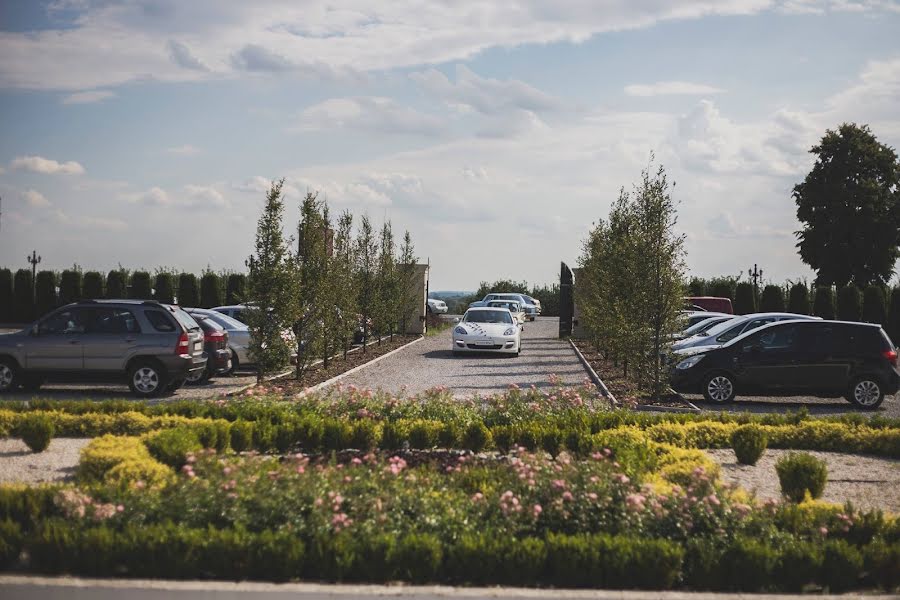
[152,346]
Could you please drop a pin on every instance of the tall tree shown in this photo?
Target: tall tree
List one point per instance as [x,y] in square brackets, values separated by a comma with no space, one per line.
[312,249]
[342,276]
[798,300]
[271,287]
[406,270]
[188,290]
[744,298]
[851,193]
[386,283]
[366,267]
[6,296]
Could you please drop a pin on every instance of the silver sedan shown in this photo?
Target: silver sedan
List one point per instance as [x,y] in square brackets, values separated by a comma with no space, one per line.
[238,337]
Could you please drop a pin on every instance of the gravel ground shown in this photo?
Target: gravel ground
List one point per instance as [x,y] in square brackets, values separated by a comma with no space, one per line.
[816,406]
[868,482]
[430,363]
[18,464]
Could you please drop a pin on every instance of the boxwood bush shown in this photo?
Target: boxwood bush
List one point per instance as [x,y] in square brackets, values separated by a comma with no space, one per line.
[749,442]
[37,431]
[801,474]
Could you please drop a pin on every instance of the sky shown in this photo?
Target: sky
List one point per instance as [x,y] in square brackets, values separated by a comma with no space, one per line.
[146,132]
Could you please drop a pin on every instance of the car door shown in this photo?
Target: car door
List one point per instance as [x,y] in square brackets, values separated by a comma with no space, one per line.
[56,345]
[767,360]
[111,339]
[821,358]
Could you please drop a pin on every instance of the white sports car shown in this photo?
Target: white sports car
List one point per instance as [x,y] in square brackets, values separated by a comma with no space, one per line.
[484,329]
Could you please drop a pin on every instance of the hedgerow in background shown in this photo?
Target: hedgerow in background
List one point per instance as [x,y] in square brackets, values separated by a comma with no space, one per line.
[849,303]
[23,302]
[798,299]
[744,299]
[188,292]
[164,287]
[70,286]
[723,287]
[93,285]
[235,288]
[116,282]
[210,292]
[140,286]
[823,302]
[893,328]
[874,306]
[6,296]
[697,287]
[772,299]
[45,292]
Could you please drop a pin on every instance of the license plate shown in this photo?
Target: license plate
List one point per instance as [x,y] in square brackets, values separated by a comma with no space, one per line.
[484,343]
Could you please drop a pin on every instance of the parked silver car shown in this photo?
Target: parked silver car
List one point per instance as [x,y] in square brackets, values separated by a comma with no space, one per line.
[238,336]
[152,346]
[730,329]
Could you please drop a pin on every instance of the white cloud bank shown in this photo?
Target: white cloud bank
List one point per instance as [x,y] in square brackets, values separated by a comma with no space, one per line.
[671,88]
[39,164]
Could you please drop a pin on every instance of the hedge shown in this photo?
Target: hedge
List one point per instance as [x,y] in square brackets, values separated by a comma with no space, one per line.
[849,303]
[823,302]
[235,288]
[165,288]
[6,296]
[93,285]
[893,325]
[744,299]
[772,299]
[140,286]
[70,286]
[798,299]
[116,284]
[188,293]
[23,301]
[45,292]
[210,293]
[874,307]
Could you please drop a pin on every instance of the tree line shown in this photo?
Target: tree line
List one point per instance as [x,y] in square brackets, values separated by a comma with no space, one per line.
[326,282]
[22,300]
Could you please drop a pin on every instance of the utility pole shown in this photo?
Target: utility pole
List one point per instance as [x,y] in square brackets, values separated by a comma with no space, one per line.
[34,259]
[756,276]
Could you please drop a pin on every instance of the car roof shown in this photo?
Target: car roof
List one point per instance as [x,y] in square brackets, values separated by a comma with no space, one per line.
[129,301]
[483,308]
[796,322]
[705,313]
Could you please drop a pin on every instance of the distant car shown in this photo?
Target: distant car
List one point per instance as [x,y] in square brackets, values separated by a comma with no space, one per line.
[215,342]
[712,303]
[512,306]
[238,337]
[529,308]
[153,347]
[484,329]
[536,302]
[728,330]
[696,316]
[811,357]
[702,326]
[438,307]
[235,311]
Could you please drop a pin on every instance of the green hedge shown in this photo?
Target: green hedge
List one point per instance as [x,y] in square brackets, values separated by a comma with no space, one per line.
[849,303]
[798,299]
[23,301]
[140,286]
[45,292]
[235,288]
[772,299]
[70,286]
[93,285]
[188,291]
[116,284]
[744,299]
[6,296]
[893,326]
[164,288]
[874,307]
[823,302]
[210,291]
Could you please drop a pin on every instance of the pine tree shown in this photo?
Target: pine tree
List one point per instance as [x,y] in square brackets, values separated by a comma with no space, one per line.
[744,299]
[164,288]
[406,267]
[93,285]
[45,292]
[70,286]
[312,233]
[849,303]
[6,296]
[386,283]
[874,307]
[115,284]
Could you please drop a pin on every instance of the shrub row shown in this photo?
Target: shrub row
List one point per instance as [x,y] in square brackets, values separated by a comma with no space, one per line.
[489,558]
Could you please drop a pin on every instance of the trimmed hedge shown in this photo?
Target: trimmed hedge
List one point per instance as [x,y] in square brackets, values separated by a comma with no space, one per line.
[893,325]
[210,291]
[37,431]
[93,285]
[23,302]
[70,286]
[744,299]
[116,287]
[849,303]
[164,288]
[45,298]
[798,299]
[801,474]
[874,307]
[188,291]
[235,288]
[140,286]
[823,302]
[772,299]
[6,296]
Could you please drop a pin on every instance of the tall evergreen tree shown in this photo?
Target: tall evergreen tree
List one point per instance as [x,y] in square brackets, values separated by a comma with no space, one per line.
[45,292]
[386,283]
[849,303]
[312,246]
[188,290]
[6,296]
[366,265]
[210,290]
[164,287]
[744,299]
[93,285]
[823,302]
[23,297]
[893,328]
[874,306]
[115,284]
[140,286]
[70,286]
[235,288]
[406,269]
[798,299]
[772,299]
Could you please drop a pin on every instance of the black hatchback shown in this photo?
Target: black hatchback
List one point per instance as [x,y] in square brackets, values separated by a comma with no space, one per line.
[828,359]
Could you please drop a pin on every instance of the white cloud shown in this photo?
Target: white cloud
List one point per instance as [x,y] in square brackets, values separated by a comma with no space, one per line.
[153,197]
[185,150]
[183,57]
[204,196]
[368,113]
[39,164]
[88,223]
[671,88]
[35,199]
[88,97]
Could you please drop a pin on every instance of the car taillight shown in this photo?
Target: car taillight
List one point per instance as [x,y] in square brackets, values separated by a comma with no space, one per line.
[891,355]
[218,338]
[184,344]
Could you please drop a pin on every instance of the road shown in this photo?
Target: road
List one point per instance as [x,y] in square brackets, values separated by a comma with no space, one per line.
[430,363]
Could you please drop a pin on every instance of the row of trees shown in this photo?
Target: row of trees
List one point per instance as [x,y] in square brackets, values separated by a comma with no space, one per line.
[631,288]
[336,280]
[22,299]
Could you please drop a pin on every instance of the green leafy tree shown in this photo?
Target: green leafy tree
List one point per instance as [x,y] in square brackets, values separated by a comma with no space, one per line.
[188,290]
[6,296]
[723,287]
[235,288]
[893,327]
[23,297]
[744,299]
[851,192]
[366,251]
[313,297]
[45,292]
[823,302]
[406,270]
[849,303]
[548,296]
[874,306]
[772,299]
[501,285]
[140,286]
[386,288]
[115,284]
[272,288]
[344,280]
[93,285]
[697,287]
[210,290]
[165,287]
[70,286]
[798,299]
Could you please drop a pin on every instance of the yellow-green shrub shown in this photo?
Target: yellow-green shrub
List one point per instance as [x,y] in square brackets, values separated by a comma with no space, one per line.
[677,465]
[104,453]
[153,473]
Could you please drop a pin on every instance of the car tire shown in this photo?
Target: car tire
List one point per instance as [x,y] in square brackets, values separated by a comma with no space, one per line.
[866,393]
[198,378]
[9,375]
[719,388]
[147,379]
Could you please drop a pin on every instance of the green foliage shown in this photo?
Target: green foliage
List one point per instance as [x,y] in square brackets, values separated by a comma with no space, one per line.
[501,285]
[235,288]
[210,291]
[165,287]
[749,443]
[23,305]
[850,191]
[823,302]
[882,562]
[188,290]
[70,286]
[36,430]
[241,436]
[315,296]
[115,284]
[11,539]
[364,435]
[6,296]
[172,446]
[140,286]
[772,299]
[697,287]
[849,303]
[801,473]
[342,277]
[45,292]
[93,285]
[476,437]
[548,296]
[799,565]
[841,566]
[798,299]
[744,299]
[893,324]
[365,251]
[416,558]
[874,306]
[747,565]
[723,287]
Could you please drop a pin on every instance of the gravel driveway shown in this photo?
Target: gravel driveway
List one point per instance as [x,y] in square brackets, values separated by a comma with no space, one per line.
[430,363]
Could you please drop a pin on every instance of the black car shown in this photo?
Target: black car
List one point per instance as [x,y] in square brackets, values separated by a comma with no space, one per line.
[828,359]
[215,342]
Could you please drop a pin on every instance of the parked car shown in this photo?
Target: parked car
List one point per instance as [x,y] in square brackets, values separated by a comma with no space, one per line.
[513,307]
[702,326]
[811,357]
[235,311]
[712,303]
[153,347]
[530,309]
[484,329]
[535,301]
[692,317]
[238,337]
[215,342]
[728,330]
[438,307]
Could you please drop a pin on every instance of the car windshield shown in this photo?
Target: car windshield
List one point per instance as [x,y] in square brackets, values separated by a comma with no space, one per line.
[225,321]
[488,316]
[723,327]
[704,325]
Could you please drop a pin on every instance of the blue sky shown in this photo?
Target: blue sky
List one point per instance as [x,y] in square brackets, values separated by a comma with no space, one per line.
[145,132]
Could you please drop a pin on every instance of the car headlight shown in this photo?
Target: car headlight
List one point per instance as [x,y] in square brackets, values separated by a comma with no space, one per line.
[509,331]
[461,331]
[689,362]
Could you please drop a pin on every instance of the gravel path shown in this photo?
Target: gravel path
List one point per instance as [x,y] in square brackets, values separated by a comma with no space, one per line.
[868,482]
[430,363]
[18,464]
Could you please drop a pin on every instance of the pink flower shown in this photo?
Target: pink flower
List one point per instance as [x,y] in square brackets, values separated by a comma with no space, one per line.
[592,496]
[712,499]
[226,470]
[567,496]
[536,510]
[823,530]
[140,484]
[356,461]
[623,478]
[318,502]
[120,508]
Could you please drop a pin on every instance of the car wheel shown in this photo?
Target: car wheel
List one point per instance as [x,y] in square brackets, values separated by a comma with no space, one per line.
[718,388]
[197,377]
[866,392]
[147,379]
[9,375]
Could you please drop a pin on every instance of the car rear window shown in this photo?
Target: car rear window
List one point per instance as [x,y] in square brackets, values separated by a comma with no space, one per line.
[186,320]
[160,321]
[208,324]
[227,321]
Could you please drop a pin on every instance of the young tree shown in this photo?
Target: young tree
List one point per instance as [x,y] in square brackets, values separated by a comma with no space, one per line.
[386,292]
[744,299]
[850,192]
[798,299]
[272,288]
[366,264]
[313,309]
[70,286]
[772,299]
[823,302]
[188,291]
[406,270]
[344,281]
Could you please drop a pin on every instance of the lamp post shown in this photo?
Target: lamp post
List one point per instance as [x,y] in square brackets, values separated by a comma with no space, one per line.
[34,259]
[756,276]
